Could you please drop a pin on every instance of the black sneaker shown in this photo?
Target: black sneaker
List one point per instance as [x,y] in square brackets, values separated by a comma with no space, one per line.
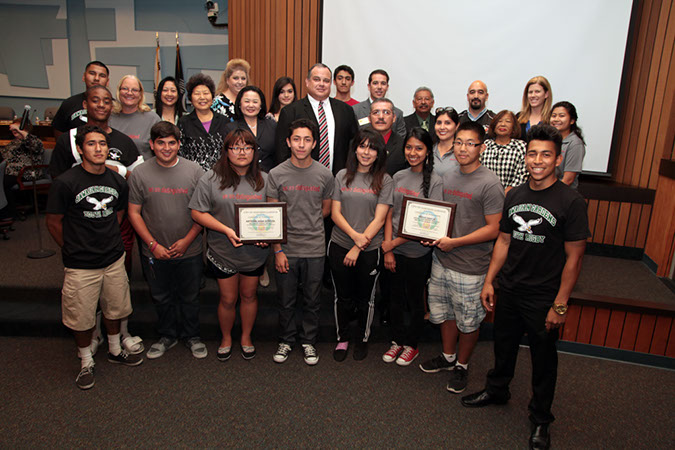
[282,353]
[437,364]
[85,379]
[125,358]
[458,379]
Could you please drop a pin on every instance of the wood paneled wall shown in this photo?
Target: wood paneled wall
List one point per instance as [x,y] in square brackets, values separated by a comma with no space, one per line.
[277,37]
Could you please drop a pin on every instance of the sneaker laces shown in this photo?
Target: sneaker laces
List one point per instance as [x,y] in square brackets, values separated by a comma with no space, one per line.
[309,350]
[283,349]
[393,350]
[407,353]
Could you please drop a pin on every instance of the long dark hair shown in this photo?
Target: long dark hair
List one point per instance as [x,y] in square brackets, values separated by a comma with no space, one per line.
[238,115]
[222,169]
[158,97]
[572,111]
[378,169]
[424,137]
[275,107]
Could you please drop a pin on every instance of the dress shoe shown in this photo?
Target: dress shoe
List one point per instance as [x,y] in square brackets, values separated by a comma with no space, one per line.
[540,437]
[483,398]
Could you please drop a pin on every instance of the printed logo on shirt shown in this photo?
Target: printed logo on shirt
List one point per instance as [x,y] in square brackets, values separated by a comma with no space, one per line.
[81,114]
[300,187]
[525,228]
[357,190]
[406,191]
[245,197]
[114,154]
[166,190]
[97,198]
[458,193]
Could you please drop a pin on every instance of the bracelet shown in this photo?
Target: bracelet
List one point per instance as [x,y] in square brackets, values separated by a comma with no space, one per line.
[153,246]
[279,251]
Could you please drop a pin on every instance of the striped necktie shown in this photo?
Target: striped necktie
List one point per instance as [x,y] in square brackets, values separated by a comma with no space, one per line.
[324,148]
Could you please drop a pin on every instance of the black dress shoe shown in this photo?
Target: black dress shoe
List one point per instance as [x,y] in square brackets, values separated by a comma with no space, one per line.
[540,437]
[483,398]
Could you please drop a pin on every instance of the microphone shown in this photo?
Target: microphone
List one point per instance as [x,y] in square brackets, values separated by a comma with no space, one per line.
[26,117]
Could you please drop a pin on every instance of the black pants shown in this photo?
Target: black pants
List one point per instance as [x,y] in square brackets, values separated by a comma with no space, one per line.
[514,316]
[354,289]
[407,294]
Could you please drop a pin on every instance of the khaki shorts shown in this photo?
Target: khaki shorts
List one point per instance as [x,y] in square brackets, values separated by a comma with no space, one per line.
[84,288]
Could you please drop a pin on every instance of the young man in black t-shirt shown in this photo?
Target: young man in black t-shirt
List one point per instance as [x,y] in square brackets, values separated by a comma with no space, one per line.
[85,206]
[542,239]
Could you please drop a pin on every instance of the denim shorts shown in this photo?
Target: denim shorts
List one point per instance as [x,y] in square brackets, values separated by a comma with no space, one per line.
[455,296]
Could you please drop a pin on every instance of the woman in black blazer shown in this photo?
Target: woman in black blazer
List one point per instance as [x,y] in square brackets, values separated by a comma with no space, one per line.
[202,131]
[250,110]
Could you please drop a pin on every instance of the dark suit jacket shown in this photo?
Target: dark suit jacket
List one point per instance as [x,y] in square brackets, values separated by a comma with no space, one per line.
[264,138]
[395,155]
[345,129]
[412,122]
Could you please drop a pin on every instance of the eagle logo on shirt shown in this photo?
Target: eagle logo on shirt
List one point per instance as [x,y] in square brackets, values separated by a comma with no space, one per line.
[526,225]
[115,154]
[98,205]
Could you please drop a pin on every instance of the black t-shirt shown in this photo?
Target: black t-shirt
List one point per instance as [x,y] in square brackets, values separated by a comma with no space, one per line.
[122,151]
[89,203]
[70,114]
[540,222]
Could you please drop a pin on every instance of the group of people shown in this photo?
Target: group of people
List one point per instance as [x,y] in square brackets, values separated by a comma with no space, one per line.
[343,168]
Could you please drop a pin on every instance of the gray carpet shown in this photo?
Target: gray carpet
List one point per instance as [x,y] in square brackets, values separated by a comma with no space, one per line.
[177,401]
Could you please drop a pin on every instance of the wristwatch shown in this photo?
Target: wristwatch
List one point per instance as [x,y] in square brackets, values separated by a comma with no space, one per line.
[559,308]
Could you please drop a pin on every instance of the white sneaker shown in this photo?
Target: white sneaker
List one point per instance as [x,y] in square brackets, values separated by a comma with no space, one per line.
[311,358]
[282,353]
[95,344]
[160,347]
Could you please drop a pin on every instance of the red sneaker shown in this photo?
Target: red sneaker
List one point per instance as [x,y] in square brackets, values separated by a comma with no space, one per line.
[392,353]
[409,354]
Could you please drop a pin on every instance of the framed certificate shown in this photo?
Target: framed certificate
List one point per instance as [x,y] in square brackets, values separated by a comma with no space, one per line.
[260,222]
[425,220]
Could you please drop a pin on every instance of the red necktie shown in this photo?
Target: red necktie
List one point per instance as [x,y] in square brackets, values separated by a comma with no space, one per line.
[324,147]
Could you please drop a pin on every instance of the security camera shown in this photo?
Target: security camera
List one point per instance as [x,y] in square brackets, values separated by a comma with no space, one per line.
[212,11]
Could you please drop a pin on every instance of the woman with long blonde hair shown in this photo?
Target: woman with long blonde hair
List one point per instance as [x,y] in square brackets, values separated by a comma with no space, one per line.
[537,101]
[234,78]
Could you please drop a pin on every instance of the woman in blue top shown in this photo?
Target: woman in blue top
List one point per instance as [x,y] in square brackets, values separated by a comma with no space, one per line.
[361,200]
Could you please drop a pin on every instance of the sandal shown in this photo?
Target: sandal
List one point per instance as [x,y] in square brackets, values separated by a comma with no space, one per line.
[133,344]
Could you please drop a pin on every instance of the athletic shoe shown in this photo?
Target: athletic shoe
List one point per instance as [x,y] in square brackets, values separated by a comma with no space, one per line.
[458,379]
[437,364]
[247,352]
[197,347]
[85,379]
[340,352]
[160,347]
[360,351]
[95,344]
[392,353]
[311,358]
[282,353]
[125,358]
[224,353]
[409,354]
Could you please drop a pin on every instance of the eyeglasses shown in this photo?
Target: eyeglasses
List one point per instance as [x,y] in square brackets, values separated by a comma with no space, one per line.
[469,145]
[132,90]
[445,109]
[247,149]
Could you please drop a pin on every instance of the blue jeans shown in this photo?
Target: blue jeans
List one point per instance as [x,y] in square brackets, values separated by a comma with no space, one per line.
[174,287]
[309,272]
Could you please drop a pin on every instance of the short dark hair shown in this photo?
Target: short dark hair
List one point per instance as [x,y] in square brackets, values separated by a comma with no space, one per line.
[237,103]
[515,131]
[345,68]
[472,126]
[320,65]
[304,123]
[448,111]
[200,79]
[84,130]
[164,129]
[97,63]
[91,89]
[544,132]
[378,72]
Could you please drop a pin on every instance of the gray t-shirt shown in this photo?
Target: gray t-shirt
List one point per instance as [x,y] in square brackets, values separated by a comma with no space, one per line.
[573,152]
[209,198]
[407,182]
[477,194]
[358,202]
[137,126]
[164,194]
[304,190]
[444,163]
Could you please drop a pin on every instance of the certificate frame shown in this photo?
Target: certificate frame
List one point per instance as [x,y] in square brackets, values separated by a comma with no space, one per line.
[274,212]
[423,219]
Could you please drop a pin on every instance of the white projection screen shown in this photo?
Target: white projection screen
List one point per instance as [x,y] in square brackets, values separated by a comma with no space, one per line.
[578,45]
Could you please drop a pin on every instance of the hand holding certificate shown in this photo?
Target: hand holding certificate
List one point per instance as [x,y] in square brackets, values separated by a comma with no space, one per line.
[261,222]
[425,220]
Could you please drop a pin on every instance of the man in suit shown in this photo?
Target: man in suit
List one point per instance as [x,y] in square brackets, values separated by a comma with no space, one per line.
[477,96]
[378,85]
[382,120]
[423,103]
[340,122]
